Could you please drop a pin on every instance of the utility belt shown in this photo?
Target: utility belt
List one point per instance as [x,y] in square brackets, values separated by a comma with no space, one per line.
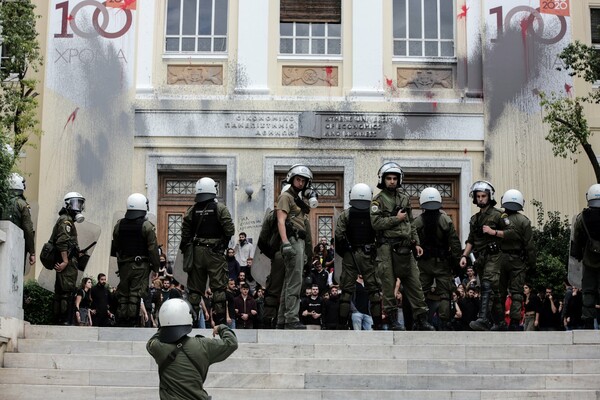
[138,260]
[217,247]
[367,249]
[291,231]
[490,249]
[393,241]
[440,254]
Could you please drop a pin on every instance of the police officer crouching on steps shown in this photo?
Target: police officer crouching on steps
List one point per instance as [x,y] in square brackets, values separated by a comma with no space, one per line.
[134,245]
[207,227]
[183,361]
[64,237]
[355,242]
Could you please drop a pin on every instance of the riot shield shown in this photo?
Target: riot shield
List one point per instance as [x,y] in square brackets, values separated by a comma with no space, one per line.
[87,235]
[178,269]
[111,277]
[575,267]
[261,265]
[338,261]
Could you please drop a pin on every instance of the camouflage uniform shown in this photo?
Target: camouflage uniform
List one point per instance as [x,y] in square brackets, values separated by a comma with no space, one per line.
[135,246]
[441,250]
[518,252]
[64,237]
[488,260]
[583,249]
[355,242]
[395,240]
[208,227]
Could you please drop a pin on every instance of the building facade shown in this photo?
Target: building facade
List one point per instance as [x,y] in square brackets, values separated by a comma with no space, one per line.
[149,96]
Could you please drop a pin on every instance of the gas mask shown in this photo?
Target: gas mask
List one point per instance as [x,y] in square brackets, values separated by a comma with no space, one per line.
[76,206]
[312,196]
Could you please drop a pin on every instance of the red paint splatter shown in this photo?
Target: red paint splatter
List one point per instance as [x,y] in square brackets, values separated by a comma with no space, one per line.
[525,23]
[71,118]
[568,88]
[463,12]
[389,82]
[465,151]
[429,96]
[329,75]
[70,18]
[127,3]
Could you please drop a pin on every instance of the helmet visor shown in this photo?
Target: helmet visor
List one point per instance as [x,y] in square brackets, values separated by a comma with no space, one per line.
[76,204]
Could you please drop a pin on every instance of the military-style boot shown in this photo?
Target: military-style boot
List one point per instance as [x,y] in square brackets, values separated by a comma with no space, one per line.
[421,324]
[394,325]
[588,323]
[483,323]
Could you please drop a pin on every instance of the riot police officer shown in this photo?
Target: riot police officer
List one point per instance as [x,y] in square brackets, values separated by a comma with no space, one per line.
[391,217]
[207,227]
[441,249]
[519,252]
[64,237]
[135,246]
[19,214]
[355,242]
[586,248]
[291,211]
[485,234]
[183,361]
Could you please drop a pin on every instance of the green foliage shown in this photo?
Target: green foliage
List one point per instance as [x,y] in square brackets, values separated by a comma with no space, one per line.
[37,303]
[569,130]
[18,103]
[551,237]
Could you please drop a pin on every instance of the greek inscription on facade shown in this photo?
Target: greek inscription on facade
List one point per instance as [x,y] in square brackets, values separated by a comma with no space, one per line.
[355,126]
[265,125]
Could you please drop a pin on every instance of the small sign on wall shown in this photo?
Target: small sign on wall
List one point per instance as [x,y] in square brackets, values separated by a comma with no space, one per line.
[556,7]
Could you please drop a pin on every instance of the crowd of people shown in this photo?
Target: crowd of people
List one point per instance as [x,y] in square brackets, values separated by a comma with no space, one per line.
[398,271]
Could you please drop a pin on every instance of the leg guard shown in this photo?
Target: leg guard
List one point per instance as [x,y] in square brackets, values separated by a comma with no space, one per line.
[219,303]
[375,300]
[195,298]
[345,307]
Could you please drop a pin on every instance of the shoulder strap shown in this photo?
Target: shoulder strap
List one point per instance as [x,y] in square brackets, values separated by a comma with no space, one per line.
[201,219]
[173,355]
[585,227]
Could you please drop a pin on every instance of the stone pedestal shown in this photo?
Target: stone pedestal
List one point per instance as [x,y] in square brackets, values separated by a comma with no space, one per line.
[12,253]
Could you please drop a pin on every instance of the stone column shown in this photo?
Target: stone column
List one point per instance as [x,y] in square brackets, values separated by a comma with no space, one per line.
[252,56]
[145,46]
[367,48]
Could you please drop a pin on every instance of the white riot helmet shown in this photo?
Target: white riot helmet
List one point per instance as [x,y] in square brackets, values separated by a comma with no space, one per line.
[430,199]
[361,196]
[483,186]
[300,170]
[175,320]
[389,168]
[137,206]
[593,196]
[16,182]
[75,203]
[206,189]
[512,200]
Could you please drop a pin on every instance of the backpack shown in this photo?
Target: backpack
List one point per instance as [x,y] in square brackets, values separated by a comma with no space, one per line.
[269,236]
[593,245]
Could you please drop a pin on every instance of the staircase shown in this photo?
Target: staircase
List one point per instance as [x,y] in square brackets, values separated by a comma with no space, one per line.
[77,363]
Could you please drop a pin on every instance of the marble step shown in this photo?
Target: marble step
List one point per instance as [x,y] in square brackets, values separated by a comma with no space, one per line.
[238,362]
[327,337]
[325,351]
[235,379]
[36,392]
